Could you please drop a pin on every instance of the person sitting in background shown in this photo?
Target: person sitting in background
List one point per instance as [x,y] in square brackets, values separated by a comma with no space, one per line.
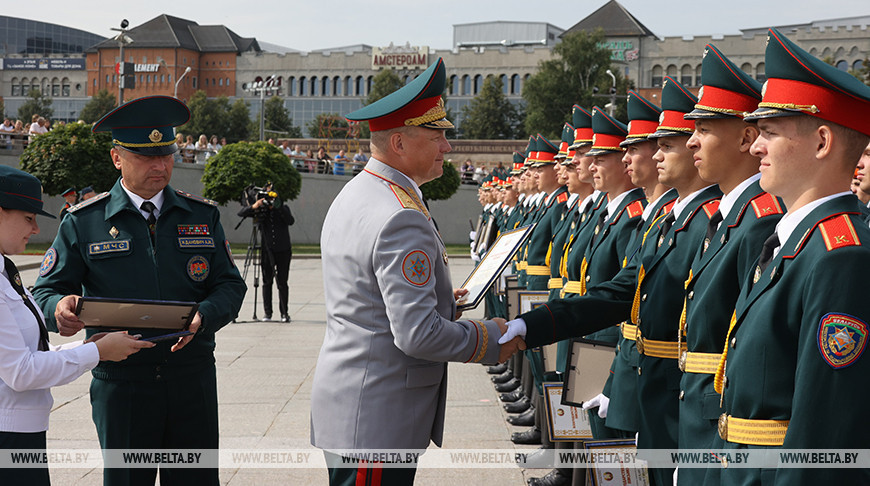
[189,149]
[213,145]
[38,128]
[177,157]
[30,365]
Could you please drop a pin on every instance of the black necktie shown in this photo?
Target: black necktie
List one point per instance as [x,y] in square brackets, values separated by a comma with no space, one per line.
[15,279]
[712,227]
[770,244]
[152,218]
[666,226]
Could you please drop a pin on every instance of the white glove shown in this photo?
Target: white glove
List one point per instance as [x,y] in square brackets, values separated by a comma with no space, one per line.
[472,235]
[516,327]
[475,256]
[600,401]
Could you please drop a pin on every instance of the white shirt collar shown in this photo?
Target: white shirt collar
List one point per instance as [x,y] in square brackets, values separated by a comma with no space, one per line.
[614,203]
[681,204]
[137,200]
[728,200]
[572,198]
[590,199]
[792,219]
[647,211]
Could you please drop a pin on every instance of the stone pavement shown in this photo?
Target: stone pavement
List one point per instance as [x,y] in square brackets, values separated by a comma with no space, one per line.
[265,370]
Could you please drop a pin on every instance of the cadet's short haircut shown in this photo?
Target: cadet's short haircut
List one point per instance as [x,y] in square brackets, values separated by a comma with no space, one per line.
[854,142]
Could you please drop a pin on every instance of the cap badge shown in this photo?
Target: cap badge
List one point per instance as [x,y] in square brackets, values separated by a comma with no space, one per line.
[155,136]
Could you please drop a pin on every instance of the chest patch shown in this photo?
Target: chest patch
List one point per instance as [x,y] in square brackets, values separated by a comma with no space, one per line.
[108,247]
[194,242]
[416,268]
[197,268]
[841,339]
[193,230]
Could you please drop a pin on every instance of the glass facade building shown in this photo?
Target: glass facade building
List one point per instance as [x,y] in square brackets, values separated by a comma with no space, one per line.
[22,36]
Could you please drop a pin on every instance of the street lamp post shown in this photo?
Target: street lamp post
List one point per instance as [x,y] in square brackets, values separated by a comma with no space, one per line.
[261,87]
[612,93]
[122,39]
[187,70]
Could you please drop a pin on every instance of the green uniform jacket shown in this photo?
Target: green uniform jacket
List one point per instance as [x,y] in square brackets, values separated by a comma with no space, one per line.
[796,350]
[660,306]
[563,231]
[717,277]
[541,237]
[621,388]
[104,249]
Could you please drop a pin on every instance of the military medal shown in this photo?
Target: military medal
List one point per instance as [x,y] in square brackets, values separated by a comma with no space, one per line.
[114,232]
[757,276]
[444,256]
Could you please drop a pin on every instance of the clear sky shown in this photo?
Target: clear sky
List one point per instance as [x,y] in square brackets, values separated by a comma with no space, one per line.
[317,24]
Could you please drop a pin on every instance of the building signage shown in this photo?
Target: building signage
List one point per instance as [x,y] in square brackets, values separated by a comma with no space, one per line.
[620,50]
[46,63]
[400,57]
[147,68]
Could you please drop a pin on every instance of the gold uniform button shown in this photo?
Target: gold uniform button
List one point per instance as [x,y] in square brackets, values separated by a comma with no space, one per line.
[691,294]
[588,278]
[682,394]
[733,342]
[638,371]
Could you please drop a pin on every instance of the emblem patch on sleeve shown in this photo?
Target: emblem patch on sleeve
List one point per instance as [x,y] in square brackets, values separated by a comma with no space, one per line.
[841,339]
[416,268]
[197,268]
[48,262]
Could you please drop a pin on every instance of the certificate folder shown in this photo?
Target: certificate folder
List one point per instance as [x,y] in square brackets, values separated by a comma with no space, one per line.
[493,264]
[587,370]
[120,314]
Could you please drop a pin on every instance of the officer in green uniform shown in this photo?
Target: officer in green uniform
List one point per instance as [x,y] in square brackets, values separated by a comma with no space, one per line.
[793,374]
[747,216]
[649,290]
[69,196]
[146,240]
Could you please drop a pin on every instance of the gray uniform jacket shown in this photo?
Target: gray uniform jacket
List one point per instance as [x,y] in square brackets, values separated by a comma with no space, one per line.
[381,377]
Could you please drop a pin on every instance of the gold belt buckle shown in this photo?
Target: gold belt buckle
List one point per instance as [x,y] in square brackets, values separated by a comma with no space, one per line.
[682,361]
[723,426]
[639,344]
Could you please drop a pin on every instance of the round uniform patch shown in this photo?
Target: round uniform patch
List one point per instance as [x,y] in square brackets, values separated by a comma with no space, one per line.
[48,262]
[416,268]
[841,339]
[197,268]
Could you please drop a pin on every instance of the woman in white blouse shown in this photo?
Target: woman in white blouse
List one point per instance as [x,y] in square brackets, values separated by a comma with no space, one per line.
[29,365]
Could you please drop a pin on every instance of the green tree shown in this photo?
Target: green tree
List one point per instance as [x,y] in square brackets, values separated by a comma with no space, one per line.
[384,83]
[579,63]
[239,122]
[443,187]
[490,116]
[207,116]
[71,156]
[238,165]
[863,72]
[36,104]
[278,122]
[100,104]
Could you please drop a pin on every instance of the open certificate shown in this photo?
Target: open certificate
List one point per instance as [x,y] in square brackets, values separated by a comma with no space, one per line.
[119,314]
[492,265]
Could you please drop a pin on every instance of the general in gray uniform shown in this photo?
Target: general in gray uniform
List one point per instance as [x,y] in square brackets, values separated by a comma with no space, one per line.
[381,378]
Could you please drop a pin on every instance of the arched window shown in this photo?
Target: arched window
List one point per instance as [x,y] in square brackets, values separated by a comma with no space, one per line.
[64,87]
[698,78]
[746,68]
[686,73]
[672,71]
[291,86]
[453,86]
[466,85]
[760,76]
[359,86]
[348,86]
[220,81]
[206,82]
[325,86]
[515,84]
[842,65]
[505,86]
[303,85]
[336,86]
[657,76]
[315,85]
[16,88]
[478,83]
[858,64]
[369,84]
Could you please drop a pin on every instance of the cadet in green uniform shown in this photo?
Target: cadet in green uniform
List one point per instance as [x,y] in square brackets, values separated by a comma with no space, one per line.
[793,374]
[620,390]
[145,240]
[747,216]
[649,290]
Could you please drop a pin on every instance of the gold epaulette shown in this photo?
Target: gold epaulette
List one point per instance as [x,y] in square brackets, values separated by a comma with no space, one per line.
[88,202]
[196,198]
[407,200]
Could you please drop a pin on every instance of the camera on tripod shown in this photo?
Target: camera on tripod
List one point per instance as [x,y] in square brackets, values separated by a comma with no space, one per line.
[252,194]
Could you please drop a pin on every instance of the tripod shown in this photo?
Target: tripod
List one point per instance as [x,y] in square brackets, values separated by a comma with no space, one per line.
[253,257]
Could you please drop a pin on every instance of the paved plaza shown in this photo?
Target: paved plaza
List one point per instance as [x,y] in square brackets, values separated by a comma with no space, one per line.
[265,371]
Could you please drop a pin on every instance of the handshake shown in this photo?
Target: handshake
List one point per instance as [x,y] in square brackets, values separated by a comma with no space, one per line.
[511,340]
